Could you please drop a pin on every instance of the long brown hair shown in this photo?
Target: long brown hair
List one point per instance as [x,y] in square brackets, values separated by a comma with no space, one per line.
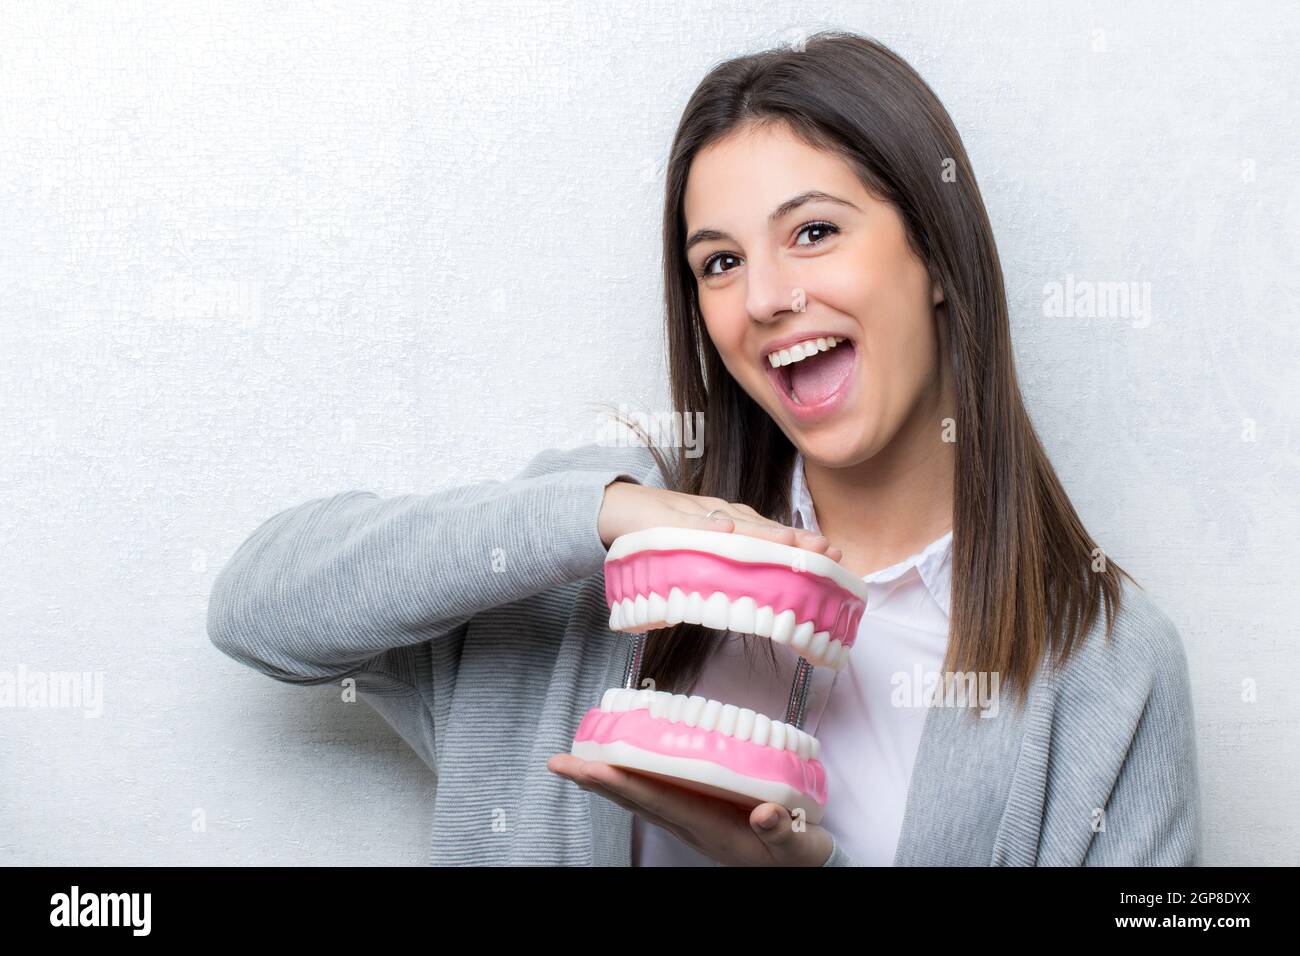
[1027,577]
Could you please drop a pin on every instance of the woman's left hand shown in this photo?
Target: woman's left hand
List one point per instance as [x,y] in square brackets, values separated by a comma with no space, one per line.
[717,828]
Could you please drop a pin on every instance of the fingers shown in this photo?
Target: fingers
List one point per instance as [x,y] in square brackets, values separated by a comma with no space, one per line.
[663,804]
[783,534]
[749,514]
[628,804]
[654,797]
[787,846]
[736,518]
[752,522]
[718,522]
[713,827]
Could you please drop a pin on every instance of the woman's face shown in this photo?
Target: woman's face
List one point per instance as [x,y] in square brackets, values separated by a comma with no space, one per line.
[772,271]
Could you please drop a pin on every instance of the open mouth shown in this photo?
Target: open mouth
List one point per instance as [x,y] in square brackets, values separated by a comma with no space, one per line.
[800,599]
[813,376]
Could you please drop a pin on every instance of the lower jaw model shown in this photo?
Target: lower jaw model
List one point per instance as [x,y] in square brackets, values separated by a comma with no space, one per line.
[803,600]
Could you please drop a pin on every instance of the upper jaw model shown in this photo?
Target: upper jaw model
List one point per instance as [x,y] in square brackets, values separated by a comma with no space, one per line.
[801,599]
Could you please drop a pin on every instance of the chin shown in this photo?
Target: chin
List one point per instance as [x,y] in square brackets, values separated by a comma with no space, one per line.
[848,440]
[839,448]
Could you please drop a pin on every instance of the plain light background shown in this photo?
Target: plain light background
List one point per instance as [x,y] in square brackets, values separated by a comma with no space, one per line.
[256,254]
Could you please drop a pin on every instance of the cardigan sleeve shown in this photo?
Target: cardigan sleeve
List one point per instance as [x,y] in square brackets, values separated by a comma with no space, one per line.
[838,857]
[1152,817]
[330,587]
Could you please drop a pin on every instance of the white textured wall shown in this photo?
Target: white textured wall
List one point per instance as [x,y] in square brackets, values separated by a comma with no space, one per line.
[253,254]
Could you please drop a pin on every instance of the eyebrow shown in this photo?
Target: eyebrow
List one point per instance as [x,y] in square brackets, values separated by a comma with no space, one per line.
[791,204]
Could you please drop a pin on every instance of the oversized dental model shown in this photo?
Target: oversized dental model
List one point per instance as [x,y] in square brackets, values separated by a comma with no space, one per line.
[662,576]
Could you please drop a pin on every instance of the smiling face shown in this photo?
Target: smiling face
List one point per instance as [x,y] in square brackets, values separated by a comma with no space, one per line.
[788,247]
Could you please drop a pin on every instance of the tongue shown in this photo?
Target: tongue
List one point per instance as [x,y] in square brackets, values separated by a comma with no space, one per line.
[815,379]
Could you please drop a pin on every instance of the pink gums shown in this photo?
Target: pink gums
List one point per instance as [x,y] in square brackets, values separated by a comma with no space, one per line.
[663,736]
[778,586]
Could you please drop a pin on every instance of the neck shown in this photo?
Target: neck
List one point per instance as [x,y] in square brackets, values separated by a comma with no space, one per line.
[892,505]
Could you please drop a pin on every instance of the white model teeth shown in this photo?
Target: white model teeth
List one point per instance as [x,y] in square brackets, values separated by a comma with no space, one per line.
[742,616]
[801,350]
[703,714]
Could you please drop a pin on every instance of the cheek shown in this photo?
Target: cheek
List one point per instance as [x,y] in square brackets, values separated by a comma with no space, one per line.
[862,280]
[887,295]
[725,325]
[903,359]
[846,284]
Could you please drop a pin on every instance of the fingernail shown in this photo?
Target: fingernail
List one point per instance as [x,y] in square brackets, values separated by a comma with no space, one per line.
[769,821]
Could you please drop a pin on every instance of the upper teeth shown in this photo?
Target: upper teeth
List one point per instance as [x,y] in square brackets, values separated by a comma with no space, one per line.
[801,350]
[742,616]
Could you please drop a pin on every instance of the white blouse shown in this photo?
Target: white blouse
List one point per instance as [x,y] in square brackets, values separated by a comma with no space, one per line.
[868,717]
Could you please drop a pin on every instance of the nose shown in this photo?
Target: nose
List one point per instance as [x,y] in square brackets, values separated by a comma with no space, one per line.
[769,294]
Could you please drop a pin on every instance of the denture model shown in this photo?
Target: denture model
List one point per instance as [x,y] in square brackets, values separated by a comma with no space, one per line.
[801,599]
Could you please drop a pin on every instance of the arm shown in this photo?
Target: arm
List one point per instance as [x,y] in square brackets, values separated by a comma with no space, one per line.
[1152,817]
[322,588]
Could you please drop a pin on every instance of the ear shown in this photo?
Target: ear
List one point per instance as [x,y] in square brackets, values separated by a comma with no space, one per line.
[936,293]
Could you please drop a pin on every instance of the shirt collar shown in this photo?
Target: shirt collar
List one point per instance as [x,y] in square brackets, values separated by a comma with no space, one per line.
[933,563]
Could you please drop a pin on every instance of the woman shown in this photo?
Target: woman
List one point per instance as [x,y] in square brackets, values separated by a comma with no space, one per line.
[819,196]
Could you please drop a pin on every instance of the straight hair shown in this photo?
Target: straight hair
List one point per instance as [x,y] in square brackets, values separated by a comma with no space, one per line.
[1027,579]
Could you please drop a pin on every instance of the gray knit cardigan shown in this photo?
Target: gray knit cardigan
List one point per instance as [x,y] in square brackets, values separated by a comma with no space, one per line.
[473,619]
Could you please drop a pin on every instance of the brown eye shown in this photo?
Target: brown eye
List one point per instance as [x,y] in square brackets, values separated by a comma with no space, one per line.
[826,228]
[706,269]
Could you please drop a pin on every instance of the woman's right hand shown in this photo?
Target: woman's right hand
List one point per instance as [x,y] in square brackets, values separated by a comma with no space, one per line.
[629,507]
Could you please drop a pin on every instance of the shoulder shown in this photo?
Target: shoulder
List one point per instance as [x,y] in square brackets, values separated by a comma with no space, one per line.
[1111,685]
[635,461]
[1144,647]
[1120,729]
